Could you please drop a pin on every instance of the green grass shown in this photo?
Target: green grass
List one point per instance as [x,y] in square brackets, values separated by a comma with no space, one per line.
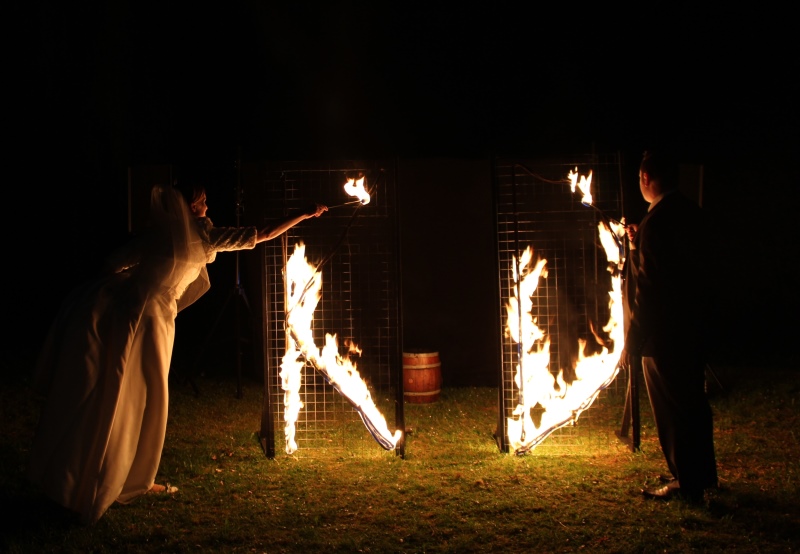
[453,491]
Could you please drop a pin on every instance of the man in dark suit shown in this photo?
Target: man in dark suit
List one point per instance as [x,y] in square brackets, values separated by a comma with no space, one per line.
[667,298]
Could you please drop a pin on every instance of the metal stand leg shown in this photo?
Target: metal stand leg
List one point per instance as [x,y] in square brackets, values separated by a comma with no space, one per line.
[239,293]
[711,373]
[237,290]
[630,415]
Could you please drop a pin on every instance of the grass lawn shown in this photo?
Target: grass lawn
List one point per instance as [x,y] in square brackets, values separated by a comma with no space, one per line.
[453,491]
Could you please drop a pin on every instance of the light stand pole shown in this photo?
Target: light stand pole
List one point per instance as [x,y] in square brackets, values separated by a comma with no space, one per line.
[237,290]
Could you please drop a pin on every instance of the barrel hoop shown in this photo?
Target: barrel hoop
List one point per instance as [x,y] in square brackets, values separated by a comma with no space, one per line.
[422,366]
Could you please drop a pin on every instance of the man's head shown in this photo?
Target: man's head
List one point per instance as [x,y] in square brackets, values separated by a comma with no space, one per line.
[658,173]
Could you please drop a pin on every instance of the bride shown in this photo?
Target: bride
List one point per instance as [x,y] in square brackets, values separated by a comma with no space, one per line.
[104,366]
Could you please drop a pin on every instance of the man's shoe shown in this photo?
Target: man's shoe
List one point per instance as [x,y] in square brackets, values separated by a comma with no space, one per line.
[667,492]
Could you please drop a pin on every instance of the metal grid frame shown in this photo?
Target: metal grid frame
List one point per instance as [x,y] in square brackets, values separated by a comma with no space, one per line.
[535,207]
[356,246]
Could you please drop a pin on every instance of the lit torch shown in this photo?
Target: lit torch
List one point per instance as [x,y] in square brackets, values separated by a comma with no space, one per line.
[355,187]
[617,228]
[584,183]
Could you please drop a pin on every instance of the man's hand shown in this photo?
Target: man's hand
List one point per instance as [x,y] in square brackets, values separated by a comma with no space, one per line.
[627,359]
[624,359]
[630,230]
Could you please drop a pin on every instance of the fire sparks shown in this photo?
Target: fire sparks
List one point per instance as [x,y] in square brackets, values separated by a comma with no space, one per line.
[560,403]
[355,187]
[303,284]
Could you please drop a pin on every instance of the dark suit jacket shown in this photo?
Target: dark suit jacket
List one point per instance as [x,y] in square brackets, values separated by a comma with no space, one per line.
[667,280]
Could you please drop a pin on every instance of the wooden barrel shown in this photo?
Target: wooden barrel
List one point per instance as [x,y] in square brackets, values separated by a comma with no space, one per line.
[422,377]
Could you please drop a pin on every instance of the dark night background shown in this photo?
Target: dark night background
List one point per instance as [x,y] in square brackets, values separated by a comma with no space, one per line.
[104,86]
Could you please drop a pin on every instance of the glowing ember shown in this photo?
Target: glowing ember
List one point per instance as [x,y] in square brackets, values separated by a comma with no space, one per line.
[303,285]
[584,184]
[355,187]
[561,403]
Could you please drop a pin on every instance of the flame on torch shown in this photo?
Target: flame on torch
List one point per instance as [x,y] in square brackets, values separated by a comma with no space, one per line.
[584,183]
[355,187]
[303,285]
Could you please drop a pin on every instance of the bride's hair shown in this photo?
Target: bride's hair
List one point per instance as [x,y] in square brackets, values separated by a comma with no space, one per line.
[191,192]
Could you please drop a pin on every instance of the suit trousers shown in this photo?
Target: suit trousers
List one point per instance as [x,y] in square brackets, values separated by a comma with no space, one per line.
[676,389]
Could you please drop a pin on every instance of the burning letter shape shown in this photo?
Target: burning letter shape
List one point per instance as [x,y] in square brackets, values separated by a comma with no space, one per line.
[561,402]
[303,285]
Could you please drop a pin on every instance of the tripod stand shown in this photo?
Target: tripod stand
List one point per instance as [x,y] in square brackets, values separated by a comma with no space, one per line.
[239,296]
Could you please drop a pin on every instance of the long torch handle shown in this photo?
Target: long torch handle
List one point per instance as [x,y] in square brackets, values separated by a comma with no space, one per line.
[351,203]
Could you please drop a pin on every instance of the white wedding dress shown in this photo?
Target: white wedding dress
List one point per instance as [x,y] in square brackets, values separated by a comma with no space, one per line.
[105,363]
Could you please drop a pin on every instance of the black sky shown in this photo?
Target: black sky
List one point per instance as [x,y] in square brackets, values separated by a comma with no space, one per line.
[106,85]
[152,81]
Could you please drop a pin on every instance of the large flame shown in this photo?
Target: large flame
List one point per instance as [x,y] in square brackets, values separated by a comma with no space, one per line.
[560,403]
[355,187]
[303,285]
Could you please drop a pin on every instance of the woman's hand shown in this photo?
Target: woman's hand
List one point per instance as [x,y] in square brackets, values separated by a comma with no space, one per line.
[317,210]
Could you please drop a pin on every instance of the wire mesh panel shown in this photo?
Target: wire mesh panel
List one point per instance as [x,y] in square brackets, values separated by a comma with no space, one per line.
[352,246]
[537,209]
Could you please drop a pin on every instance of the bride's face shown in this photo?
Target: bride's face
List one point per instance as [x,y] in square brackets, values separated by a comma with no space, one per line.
[199,207]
